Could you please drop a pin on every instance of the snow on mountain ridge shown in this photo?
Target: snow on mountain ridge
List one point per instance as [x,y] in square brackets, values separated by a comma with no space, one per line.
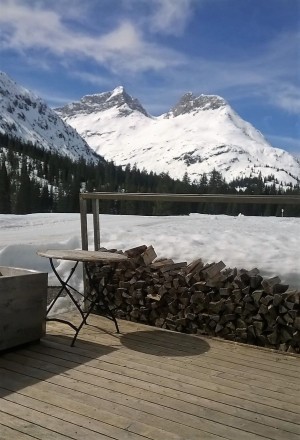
[27,117]
[117,91]
[198,134]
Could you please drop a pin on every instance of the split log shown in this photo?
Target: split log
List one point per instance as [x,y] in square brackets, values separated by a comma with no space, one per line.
[202,298]
[148,255]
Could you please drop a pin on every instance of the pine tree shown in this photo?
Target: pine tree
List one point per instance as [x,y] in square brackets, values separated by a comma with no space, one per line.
[24,194]
[5,202]
[45,200]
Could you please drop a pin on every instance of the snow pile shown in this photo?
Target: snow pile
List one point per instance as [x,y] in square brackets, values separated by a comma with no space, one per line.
[271,244]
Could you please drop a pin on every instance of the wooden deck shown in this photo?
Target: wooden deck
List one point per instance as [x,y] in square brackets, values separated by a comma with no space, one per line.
[146,384]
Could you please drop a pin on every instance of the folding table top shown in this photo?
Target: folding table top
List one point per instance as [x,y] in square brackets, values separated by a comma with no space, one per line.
[81,255]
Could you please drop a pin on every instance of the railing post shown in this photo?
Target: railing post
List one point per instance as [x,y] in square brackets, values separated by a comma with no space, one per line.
[84,238]
[96,223]
[83,223]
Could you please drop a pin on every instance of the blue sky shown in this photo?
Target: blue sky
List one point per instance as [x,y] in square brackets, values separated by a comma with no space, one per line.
[247,51]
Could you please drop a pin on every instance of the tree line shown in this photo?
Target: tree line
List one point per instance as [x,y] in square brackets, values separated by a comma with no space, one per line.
[35,180]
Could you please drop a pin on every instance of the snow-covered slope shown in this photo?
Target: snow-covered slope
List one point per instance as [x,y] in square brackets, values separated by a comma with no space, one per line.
[199,134]
[27,117]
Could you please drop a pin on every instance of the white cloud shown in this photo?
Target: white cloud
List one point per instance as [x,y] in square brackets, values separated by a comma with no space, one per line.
[125,38]
[171,16]
[162,16]
[27,26]
[125,49]
[92,78]
[270,76]
[23,27]
[286,96]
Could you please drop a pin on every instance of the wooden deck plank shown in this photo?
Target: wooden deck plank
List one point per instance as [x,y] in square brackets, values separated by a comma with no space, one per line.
[82,392]
[214,410]
[207,365]
[192,397]
[65,410]
[79,400]
[209,362]
[159,374]
[290,363]
[264,355]
[169,387]
[165,365]
[147,383]
[34,430]
[140,339]
[53,423]
[197,416]
[11,434]
[277,382]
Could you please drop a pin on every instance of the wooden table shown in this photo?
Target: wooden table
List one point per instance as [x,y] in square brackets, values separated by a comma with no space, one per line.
[85,257]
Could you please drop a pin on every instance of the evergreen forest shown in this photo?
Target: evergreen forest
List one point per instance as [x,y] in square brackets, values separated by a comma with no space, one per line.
[34,180]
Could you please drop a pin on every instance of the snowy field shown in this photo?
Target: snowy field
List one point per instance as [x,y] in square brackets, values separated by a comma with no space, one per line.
[271,244]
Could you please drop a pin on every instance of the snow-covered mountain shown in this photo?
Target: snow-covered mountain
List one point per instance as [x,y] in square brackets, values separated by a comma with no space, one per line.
[197,135]
[28,118]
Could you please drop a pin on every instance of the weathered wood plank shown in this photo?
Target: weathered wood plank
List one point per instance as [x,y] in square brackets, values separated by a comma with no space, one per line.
[94,418]
[159,373]
[81,255]
[195,393]
[274,383]
[23,303]
[48,391]
[260,353]
[65,410]
[77,390]
[290,370]
[279,378]
[16,420]
[168,368]
[11,434]
[209,410]
[161,377]
[144,385]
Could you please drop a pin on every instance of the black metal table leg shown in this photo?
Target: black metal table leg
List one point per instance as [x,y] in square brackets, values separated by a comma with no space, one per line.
[98,298]
[66,287]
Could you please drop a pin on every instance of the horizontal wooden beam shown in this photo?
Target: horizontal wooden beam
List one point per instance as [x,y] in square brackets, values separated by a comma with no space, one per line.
[195,198]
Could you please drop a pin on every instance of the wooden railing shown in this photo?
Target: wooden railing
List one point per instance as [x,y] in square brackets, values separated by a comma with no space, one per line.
[95,197]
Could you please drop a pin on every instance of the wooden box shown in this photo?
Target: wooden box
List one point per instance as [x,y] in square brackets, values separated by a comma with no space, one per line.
[23,306]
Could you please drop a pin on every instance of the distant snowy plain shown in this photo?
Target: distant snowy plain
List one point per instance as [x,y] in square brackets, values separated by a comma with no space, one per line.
[271,244]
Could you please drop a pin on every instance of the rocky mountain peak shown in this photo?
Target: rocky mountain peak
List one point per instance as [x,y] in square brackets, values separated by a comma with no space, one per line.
[211,135]
[117,98]
[190,103]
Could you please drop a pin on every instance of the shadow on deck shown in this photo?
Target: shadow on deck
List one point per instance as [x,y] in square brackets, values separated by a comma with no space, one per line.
[146,383]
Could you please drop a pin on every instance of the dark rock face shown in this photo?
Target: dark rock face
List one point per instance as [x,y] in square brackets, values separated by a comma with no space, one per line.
[189,103]
[118,98]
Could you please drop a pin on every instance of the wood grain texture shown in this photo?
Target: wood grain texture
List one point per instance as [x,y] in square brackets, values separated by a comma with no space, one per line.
[146,383]
[23,302]
[82,255]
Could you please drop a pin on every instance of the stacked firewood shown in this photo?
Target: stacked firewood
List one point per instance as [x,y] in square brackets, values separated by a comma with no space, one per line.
[200,298]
